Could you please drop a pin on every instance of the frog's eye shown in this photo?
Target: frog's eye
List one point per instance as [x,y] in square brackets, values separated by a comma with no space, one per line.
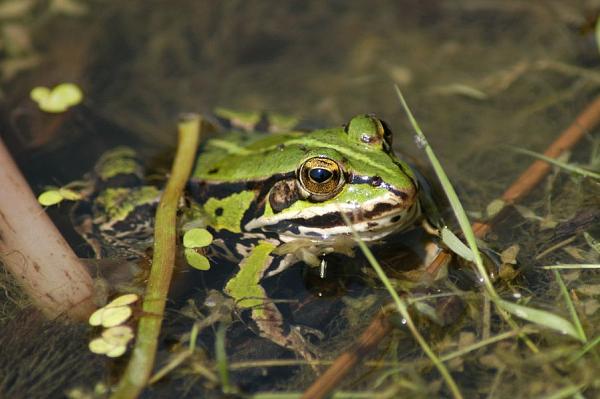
[321,177]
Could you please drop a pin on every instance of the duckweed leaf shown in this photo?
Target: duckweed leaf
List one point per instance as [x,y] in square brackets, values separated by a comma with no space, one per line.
[50,197]
[70,194]
[495,207]
[102,347]
[58,99]
[123,300]
[116,351]
[57,195]
[196,260]
[542,318]
[197,238]
[110,316]
[99,346]
[118,335]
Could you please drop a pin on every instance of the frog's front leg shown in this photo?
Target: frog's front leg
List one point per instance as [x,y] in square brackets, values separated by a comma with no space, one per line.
[245,288]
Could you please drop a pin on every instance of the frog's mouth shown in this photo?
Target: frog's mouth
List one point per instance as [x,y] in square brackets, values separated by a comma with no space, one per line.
[371,220]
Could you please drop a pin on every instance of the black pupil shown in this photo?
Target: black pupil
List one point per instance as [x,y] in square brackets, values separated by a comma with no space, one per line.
[320,175]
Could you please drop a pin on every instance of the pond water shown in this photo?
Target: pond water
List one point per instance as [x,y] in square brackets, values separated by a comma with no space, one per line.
[481,76]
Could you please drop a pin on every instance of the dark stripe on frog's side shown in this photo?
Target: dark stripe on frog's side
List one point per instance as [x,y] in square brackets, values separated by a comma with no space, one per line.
[376,181]
[202,190]
[281,191]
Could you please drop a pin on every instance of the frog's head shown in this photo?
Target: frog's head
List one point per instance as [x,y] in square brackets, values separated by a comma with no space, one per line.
[350,171]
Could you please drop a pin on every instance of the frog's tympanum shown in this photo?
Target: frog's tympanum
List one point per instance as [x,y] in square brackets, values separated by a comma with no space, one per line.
[275,199]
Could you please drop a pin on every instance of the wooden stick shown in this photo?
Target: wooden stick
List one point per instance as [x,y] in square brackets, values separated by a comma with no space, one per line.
[35,252]
[378,329]
[368,341]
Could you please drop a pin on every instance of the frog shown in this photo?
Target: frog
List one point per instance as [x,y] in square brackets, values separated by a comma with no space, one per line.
[272,200]
[272,193]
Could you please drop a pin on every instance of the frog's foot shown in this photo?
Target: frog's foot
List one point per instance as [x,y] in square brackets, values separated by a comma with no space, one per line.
[271,326]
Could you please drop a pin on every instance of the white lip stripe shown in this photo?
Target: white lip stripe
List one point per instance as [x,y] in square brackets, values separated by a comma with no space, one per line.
[349,207]
[384,227]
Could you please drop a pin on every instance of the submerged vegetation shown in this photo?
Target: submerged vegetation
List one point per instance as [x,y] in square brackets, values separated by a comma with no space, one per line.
[492,83]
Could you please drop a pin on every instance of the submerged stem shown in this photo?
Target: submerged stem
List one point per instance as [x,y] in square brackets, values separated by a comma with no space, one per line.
[141,362]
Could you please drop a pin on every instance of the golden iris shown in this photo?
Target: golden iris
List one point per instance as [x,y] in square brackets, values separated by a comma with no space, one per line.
[321,177]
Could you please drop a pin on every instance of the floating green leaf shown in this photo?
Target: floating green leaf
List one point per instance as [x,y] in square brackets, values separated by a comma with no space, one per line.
[57,100]
[55,196]
[50,197]
[495,207]
[113,342]
[70,194]
[114,313]
[126,299]
[120,335]
[196,260]
[110,317]
[197,238]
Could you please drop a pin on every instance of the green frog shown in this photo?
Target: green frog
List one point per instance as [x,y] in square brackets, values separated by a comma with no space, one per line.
[272,200]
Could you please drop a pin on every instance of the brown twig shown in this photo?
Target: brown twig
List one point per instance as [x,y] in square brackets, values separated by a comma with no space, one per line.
[369,339]
[379,327]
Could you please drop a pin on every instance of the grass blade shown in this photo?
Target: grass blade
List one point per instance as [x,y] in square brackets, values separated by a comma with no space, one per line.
[221,358]
[586,348]
[541,317]
[573,266]
[570,306]
[560,164]
[456,245]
